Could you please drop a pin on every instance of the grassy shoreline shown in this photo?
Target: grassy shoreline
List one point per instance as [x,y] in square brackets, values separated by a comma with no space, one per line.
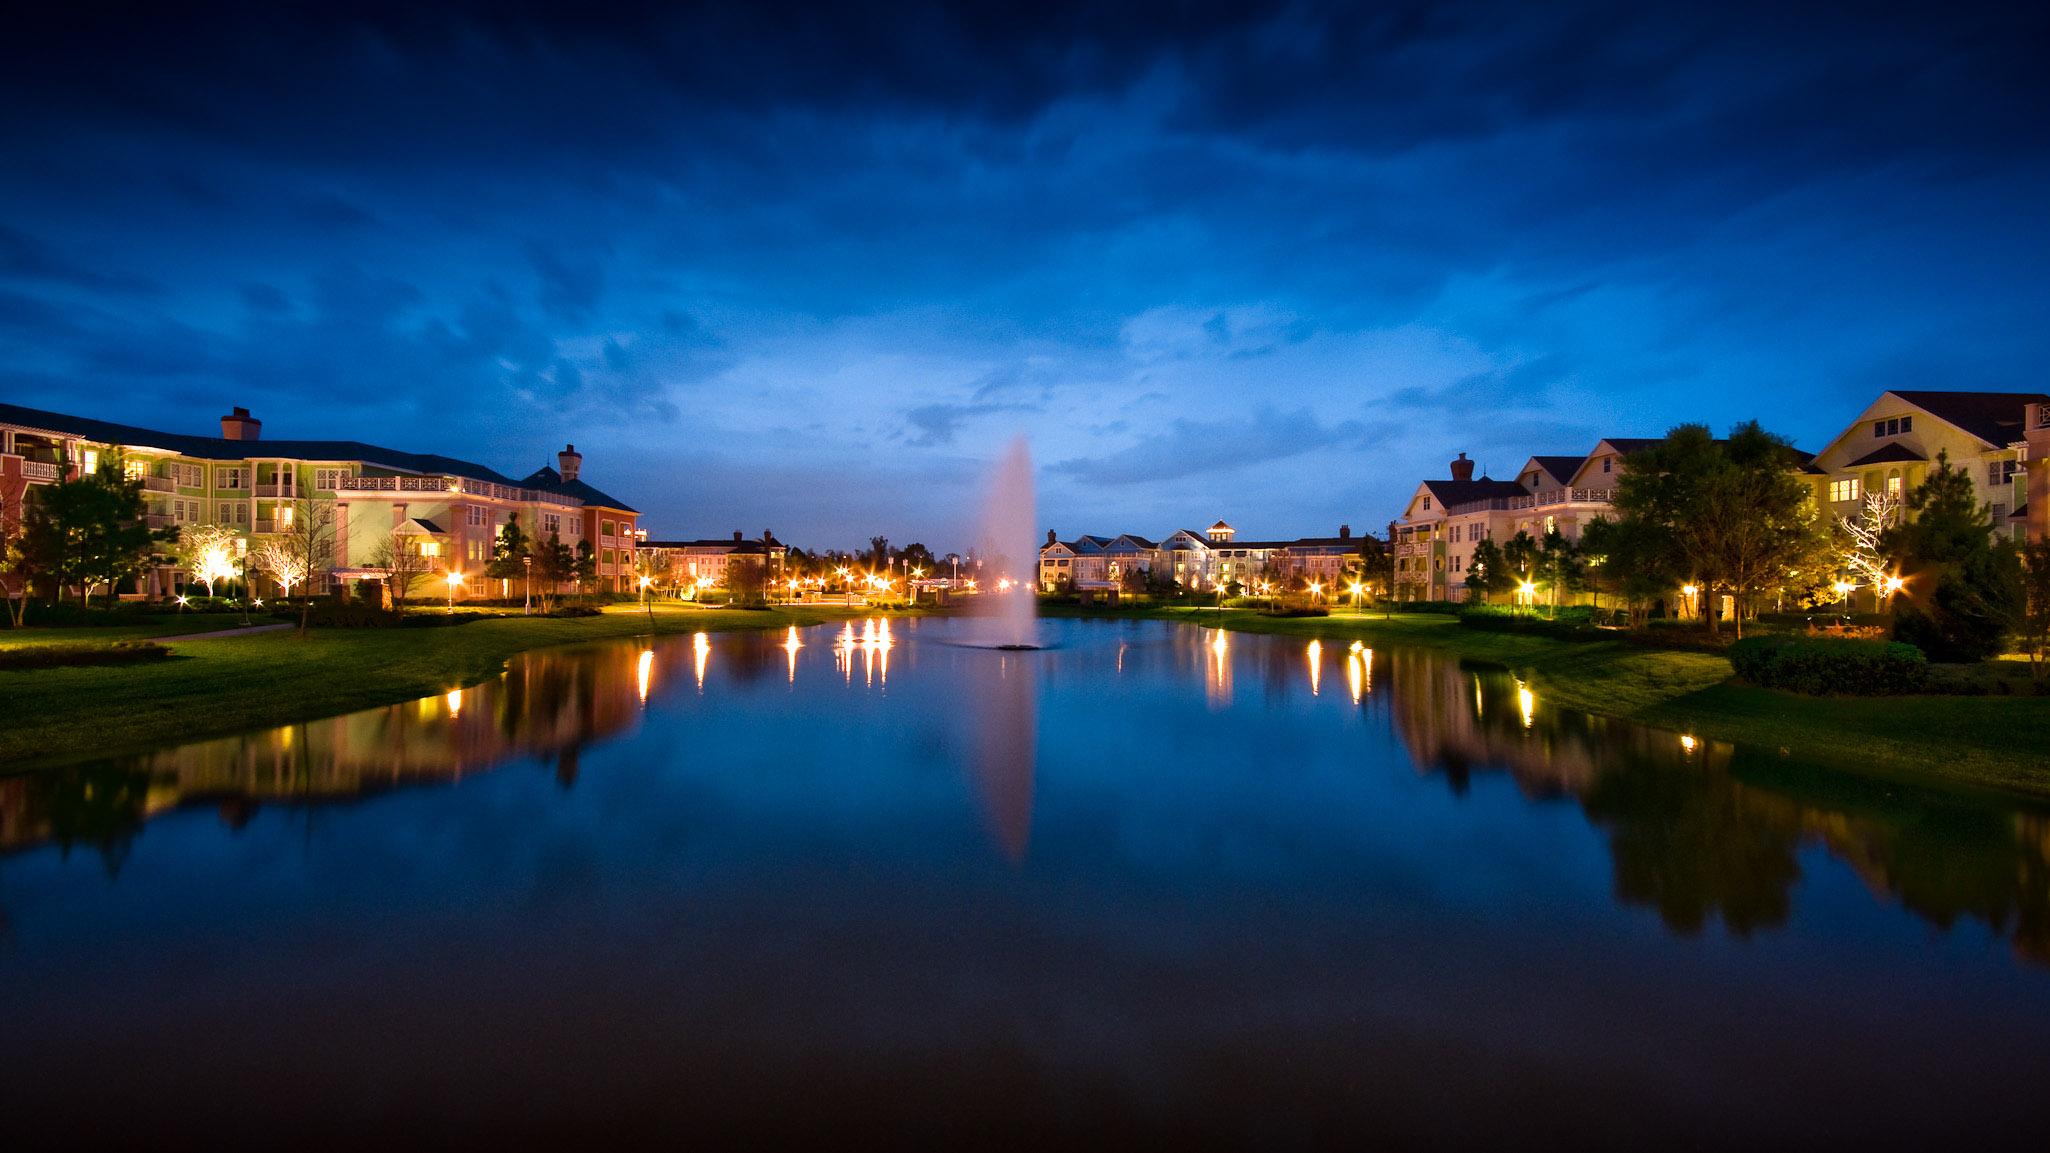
[1983,743]
[217,686]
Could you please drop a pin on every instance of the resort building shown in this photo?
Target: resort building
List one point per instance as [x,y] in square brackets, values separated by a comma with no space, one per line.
[1213,558]
[679,565]
[444,510]
[2001,438]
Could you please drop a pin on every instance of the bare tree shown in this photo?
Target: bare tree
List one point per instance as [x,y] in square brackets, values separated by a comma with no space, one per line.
[307,542]
[403,564]
[277,560]
[208,553]
[1863,557]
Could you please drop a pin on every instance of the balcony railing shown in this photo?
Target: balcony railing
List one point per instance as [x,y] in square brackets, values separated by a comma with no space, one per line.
[39,470]
[276,490]
[452,485]
[159,484]
[160,520]
[266,526]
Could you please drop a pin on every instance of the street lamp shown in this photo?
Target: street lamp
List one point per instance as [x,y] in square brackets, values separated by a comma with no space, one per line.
[527,563]
[647,580]
[454,578]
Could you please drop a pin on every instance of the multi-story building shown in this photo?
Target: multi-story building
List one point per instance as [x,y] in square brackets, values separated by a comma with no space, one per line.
[446,510]
[684,564]
[1210,559]
[2001,438]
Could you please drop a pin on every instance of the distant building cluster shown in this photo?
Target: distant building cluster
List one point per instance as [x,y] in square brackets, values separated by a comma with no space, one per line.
[444,513]
[2001,438]
[1212,559]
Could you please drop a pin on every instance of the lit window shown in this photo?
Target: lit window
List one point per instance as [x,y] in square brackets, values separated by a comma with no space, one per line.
[92,461]
[1843,490]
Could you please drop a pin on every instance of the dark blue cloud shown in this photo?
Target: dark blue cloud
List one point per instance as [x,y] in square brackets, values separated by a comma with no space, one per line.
[1270,262]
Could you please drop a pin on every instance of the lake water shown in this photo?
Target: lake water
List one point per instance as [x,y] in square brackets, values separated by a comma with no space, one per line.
[1159,882]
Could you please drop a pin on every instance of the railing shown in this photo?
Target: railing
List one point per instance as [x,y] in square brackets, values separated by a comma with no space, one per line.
[452,484]
[159,520]
[266,526]
[276,490]
[39,470]
[159,484]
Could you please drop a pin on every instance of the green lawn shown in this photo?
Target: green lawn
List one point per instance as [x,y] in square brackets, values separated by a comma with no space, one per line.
[229,684]
[1976,742]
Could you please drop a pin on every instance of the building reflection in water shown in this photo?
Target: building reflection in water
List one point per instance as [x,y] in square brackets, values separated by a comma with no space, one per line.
[1700,831]
[549,706]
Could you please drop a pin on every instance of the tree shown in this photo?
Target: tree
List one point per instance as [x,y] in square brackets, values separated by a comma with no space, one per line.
[745,578]
[1629,557]
[1732,513]
[1519,560]
[584,566]
[509,551]
[208,552]
[2035,621]
[1486,571]
[307,538]
[1963,594]
[15,574]
[878,552]
[1863,538]
[279,561]
[1558,566]
[403,564]
[554,563]
[88,530]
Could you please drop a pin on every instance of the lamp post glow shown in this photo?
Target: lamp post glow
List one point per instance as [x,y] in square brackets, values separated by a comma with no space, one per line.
[454,579]
[527,563]
[647,580]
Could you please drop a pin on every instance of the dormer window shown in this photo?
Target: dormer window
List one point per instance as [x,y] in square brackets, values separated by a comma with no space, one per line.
[1893,426]
[1606,462]
[1427,504]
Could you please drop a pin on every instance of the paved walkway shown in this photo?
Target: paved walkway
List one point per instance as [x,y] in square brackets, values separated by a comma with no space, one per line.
[241,631]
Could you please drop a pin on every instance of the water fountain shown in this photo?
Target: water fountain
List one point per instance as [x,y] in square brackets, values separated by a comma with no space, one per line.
[1008,525]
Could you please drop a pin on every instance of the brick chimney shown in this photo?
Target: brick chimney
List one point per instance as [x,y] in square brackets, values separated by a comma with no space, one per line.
[1462,469]
[239,425]
[737,538]
[569,462]
[1051,536]
[1345,532]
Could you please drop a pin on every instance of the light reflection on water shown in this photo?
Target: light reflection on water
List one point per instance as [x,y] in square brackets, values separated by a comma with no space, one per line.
[1194,845]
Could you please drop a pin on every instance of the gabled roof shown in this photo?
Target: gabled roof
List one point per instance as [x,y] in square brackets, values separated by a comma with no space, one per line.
[1220,524]
[1629,444]
[1994,417]
[1451,492]
[419,524]
[1560,468]
[1893,452]
[549,480]
[1135,541]
[1201,540]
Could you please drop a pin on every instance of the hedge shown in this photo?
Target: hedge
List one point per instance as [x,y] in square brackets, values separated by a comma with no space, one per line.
[62,656]
[1824,666]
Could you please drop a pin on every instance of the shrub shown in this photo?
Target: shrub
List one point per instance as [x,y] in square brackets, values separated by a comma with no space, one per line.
[62,656]
[561,611]
[1822,666]
[1497,620]
[1296,611]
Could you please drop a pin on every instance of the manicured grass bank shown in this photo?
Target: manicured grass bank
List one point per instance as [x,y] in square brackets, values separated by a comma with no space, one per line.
[225,685]
[1997,743]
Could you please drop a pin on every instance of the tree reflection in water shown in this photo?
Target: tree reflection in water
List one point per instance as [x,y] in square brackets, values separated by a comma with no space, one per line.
[1700,831]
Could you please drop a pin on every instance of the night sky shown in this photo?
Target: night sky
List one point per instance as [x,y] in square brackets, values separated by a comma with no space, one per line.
[810,272]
